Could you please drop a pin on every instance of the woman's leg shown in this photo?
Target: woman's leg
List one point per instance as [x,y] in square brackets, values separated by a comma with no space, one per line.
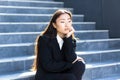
[61,76]
[78,69]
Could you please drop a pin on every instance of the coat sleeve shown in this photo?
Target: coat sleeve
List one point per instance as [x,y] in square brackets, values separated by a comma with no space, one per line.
[69,49]
[46,60]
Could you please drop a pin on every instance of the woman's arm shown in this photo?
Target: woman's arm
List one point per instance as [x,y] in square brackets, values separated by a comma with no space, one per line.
[46,60]
[69,49]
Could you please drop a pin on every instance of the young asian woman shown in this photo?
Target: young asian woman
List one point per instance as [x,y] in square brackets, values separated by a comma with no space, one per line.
[55,50]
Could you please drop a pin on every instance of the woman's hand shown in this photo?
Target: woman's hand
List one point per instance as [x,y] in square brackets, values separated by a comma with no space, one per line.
[71,31]
[78,59]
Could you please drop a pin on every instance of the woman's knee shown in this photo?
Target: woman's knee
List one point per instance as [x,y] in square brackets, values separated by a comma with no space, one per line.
[70,77]
[80,65]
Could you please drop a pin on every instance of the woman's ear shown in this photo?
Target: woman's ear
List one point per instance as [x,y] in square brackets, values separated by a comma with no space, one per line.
[54,25]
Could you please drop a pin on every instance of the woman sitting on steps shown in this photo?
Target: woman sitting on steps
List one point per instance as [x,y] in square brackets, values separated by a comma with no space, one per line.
[55,50]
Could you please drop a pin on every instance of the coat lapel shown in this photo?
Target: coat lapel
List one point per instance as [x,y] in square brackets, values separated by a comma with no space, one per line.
[55,44]
[56,49]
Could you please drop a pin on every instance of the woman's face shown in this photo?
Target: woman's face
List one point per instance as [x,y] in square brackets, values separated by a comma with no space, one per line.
[63,24]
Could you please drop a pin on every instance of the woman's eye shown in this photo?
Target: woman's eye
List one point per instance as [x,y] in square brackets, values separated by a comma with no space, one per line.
[69,21]
[62,22]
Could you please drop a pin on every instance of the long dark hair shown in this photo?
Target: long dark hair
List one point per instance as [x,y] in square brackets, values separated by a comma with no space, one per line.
[50,31]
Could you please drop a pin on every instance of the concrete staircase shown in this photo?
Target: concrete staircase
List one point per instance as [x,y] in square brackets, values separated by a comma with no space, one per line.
[22,20]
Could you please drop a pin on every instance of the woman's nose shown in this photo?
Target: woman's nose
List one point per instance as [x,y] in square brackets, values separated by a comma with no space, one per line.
[67,24]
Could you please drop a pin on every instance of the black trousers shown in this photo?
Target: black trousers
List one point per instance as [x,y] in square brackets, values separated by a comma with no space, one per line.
[75,73]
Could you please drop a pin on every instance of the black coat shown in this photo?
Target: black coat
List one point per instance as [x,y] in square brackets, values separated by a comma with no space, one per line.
[52,60]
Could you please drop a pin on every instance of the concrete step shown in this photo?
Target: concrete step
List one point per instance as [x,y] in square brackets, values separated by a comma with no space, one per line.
[16,64]
[30,10]
[101,70]
[25,37]
[5,17]
[23,49]
[23,75]
[100,56]
[36,27]
[93,72]
[31,3]
[16,50]
[91,34]
[84,25]
[114,77]
[36,0]
[99,44]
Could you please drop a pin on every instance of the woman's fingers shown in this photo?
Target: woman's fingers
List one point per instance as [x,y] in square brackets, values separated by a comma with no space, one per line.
[80,59]
[71,31]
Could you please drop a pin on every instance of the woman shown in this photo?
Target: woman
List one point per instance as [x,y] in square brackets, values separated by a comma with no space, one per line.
[55,51]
